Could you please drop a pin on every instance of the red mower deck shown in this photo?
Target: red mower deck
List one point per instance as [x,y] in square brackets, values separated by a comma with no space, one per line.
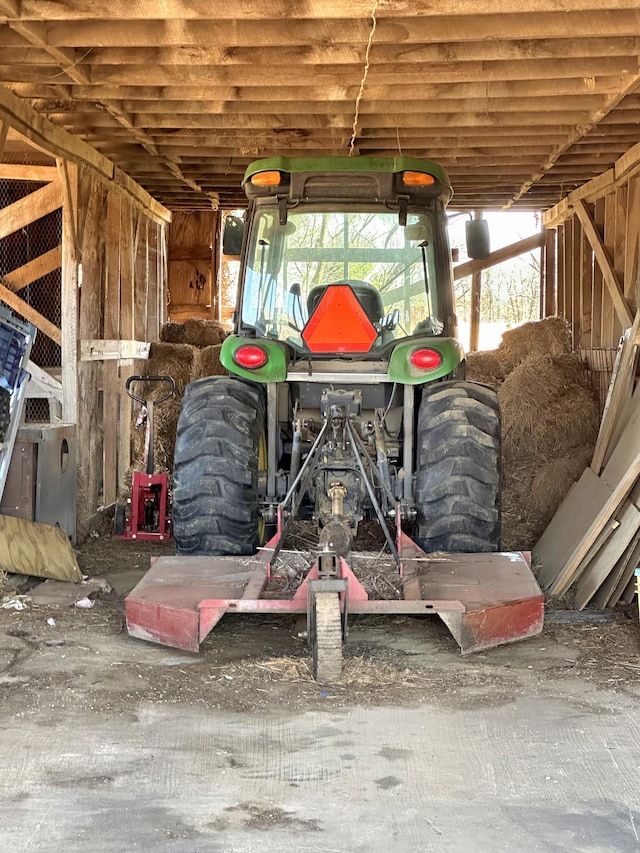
[485,600]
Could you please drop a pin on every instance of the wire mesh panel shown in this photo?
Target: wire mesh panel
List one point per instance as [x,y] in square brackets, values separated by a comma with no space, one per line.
[20,248]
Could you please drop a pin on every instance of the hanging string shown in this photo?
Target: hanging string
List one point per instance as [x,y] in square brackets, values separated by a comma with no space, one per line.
[398,137]
[354,130]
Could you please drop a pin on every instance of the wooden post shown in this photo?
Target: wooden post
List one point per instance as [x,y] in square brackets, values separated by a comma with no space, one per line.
[69,294]
[126,333]
[476,296]
[110,402]
[90,326]
[549,305]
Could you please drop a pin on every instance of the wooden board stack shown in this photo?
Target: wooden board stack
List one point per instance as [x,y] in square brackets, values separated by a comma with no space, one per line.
[593,540]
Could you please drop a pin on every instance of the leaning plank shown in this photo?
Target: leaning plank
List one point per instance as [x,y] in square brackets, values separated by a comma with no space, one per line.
[569,525]
[627,446]
[628,410]
[30,314]
[605,596]
[598,570]
[619,392]
[32,271]
[571,569]
[631,588]
[30,548]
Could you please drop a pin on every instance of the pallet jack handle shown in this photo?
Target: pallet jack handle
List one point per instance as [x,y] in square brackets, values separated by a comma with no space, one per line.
[149,405]
[151,380]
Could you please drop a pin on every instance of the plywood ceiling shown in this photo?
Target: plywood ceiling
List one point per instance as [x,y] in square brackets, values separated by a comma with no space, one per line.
[520,100]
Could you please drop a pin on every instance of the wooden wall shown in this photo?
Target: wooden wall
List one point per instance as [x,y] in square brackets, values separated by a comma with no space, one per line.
[122,307]
[113,272]
[597,234]
[592,249]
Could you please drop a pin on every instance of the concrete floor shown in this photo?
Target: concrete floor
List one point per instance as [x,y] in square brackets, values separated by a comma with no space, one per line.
[110,744]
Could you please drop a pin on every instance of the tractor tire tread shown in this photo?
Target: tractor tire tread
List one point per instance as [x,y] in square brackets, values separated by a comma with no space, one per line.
[215,494]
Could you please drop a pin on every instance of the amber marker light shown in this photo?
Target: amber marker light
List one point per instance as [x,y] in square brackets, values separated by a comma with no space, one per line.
[425,359]
[266,179]
[417,179]
[250,357]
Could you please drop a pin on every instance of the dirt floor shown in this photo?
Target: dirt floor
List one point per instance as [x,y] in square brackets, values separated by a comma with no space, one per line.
[66,668]
[254,662]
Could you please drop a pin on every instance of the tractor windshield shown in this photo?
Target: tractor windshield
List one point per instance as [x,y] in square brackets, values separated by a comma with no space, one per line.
[391,269]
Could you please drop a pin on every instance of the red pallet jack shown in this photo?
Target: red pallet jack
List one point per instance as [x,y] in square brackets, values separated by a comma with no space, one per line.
[144,517]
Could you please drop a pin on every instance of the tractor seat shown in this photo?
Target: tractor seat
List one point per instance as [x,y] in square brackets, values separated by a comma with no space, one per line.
[366,294]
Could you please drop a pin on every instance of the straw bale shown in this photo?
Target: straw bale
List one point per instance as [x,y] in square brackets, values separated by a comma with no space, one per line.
[166,417]
[208,362]
[548,407]
[175,360]
[203,333]
[532,493]
[551,336]
[172,333]
[485,367]
[553,480]
[550,419]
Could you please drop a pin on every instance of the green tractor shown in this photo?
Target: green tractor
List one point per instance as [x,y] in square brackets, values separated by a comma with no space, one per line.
[346,396]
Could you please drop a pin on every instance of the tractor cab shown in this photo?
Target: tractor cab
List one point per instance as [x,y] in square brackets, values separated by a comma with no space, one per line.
[346,255]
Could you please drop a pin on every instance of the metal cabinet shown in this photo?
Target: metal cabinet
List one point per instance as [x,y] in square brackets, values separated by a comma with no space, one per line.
[41,481]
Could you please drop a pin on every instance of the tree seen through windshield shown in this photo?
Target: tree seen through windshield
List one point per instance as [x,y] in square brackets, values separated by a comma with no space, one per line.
[289,265]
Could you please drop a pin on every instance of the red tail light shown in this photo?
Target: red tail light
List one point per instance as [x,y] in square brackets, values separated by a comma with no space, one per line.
[250,356]
[425,359]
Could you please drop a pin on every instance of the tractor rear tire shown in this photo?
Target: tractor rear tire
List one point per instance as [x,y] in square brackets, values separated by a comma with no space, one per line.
[215,493]
[458,455]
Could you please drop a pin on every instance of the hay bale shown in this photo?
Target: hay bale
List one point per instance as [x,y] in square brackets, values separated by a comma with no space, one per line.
[208,362]
[485,367]
[548,408]
[203,333]
[175,360]
[172,333]
[179,361]
[550,419]
[548,337]
[165,434]
[553,480]
[519,524]
[532,493]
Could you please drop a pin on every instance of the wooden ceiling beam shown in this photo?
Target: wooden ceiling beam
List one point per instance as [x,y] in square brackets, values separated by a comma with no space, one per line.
[343,54]
[142,126]
[433,121]
[135,82]
[204,10]
[242,31]
[428,73]
[240,97]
